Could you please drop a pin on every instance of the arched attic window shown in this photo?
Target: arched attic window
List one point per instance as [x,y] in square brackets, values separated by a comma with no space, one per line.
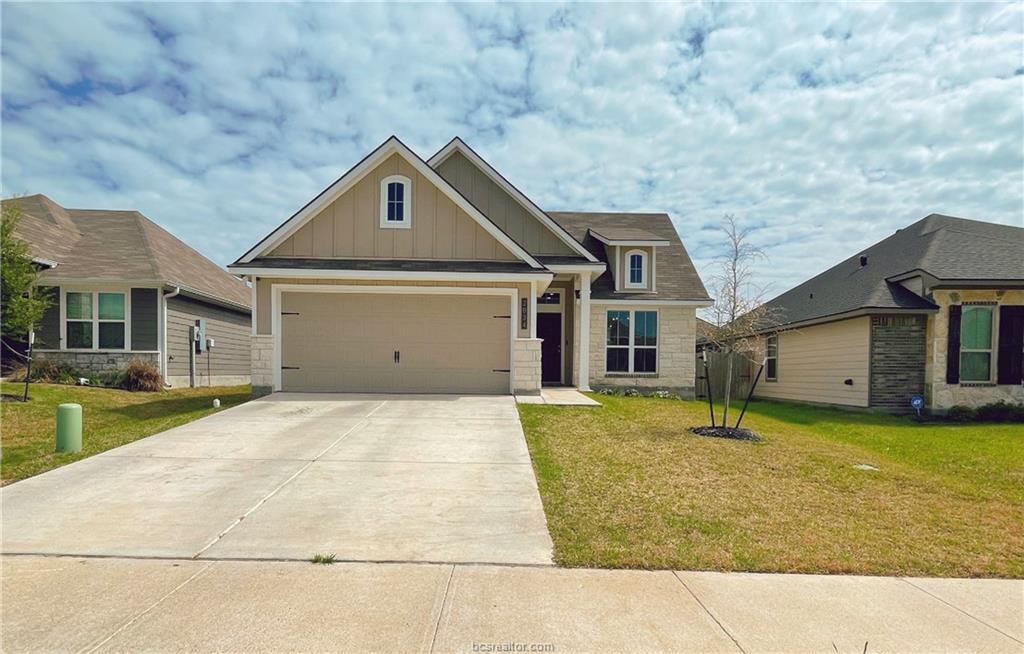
[396,202]
[636,269]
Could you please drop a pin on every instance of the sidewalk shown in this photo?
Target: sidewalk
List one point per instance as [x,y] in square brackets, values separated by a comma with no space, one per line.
[74,604]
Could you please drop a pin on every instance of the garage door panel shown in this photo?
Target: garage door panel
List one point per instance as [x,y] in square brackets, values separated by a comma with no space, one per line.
[346,343]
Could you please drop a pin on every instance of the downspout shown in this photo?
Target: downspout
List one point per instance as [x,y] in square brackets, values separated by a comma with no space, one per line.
[164,361]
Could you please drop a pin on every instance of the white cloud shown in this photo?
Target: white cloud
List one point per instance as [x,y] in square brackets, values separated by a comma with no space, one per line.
[826,126]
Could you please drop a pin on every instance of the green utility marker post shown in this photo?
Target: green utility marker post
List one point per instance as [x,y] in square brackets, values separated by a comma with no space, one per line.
[69,428]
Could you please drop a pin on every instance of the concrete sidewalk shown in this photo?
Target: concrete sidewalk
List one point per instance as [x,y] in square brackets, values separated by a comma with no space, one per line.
[109,604]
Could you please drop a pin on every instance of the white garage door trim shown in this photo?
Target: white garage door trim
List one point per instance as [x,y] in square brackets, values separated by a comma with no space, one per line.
[277,289]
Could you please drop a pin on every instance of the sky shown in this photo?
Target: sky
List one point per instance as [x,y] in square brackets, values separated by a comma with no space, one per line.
[821,128]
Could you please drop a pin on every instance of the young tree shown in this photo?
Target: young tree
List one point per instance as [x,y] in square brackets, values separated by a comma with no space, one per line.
[739,312]
[21,306]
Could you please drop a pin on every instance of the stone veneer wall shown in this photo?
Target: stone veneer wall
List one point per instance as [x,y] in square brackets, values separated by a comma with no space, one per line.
[677,329]
[898,347]
[942,396]
[98,363]
[526,369]
[262,365]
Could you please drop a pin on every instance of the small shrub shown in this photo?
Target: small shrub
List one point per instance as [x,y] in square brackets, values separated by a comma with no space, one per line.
[665,395]
[606,391]
[1000,412]
[631,392]
[140,375]
[46,372]
[961,413]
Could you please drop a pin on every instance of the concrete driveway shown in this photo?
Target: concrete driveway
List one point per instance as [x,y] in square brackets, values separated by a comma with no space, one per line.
[363,477]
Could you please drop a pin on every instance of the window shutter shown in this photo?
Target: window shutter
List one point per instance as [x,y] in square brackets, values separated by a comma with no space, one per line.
[953,346]
[1010,364]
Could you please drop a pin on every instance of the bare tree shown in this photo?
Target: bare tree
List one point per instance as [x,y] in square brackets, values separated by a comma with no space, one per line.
[739,314]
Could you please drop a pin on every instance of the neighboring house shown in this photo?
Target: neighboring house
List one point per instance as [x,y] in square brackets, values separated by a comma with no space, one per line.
[412,276]
[936,309]
[124,288]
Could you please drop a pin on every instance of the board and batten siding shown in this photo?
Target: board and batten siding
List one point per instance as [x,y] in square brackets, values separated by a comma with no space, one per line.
[264,284]
[350,225]
[501,207]
[815,361]
[230,356]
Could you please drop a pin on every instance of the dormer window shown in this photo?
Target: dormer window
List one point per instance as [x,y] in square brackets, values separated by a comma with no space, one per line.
[396,202]
[636,269]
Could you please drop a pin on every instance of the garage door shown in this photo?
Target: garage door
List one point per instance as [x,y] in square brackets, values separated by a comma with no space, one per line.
[366,343]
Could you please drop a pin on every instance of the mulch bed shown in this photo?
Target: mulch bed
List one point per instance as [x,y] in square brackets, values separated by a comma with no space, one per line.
[727,432]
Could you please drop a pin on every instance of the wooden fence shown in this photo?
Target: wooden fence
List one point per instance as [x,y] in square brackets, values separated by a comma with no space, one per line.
[742,375]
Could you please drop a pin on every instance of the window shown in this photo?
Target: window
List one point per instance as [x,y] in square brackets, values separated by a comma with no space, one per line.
[550,298]
[771,358]
[395,202]
[632,350]
[976,343]
[636,269]
[95,321]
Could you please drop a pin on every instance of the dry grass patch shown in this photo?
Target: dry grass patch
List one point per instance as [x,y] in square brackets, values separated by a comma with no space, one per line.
[111,418]
[626,485]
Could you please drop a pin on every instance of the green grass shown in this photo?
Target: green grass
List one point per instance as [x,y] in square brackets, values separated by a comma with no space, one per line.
[111,418]
[627,485]
[323,559]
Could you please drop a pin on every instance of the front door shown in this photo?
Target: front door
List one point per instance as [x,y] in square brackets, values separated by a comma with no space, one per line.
[549,330]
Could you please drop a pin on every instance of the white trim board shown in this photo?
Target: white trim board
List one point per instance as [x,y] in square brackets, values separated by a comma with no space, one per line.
[665,303]
[275,312]
[360,170]
[394,275]
[457,144]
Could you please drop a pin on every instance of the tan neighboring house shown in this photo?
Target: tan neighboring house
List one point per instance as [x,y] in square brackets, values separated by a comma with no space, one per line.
[407,275]
[124,288]
[936,310]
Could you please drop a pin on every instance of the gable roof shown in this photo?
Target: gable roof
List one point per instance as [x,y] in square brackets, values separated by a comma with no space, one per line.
[100,244]
[617,235]
[945,248]
[391,146]
[460,146]
[676,277]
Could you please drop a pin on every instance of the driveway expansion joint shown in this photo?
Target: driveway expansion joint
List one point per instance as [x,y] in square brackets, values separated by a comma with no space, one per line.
[708,611]
[954,606]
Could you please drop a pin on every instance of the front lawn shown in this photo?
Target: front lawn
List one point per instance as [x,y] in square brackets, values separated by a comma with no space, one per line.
[110,418]
[626,485]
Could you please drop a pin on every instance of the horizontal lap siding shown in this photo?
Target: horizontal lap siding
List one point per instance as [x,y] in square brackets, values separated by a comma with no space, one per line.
[815,361]
[229,329]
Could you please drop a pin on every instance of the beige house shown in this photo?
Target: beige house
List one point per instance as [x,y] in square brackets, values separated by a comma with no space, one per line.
[409,276]
[936,310]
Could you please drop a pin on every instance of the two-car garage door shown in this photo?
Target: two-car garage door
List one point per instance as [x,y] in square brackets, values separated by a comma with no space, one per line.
[395,343]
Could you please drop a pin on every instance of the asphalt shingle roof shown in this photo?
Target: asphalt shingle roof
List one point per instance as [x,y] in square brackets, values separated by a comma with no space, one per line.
[676,277]
[947,248]
[118,245]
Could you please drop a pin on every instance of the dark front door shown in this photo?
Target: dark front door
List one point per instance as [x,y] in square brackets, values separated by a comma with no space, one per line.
[549,330]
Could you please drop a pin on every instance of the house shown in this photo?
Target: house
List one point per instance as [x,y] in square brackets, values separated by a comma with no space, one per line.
[936,310]
[124,288]
[407,275]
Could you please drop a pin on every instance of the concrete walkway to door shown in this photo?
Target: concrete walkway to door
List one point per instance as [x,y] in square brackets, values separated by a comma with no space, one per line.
[363,477]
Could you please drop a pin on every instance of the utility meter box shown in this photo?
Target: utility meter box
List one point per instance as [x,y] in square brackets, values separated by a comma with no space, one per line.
[200,335]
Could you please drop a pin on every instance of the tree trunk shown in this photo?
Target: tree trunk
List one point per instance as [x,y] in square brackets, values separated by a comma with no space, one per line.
[728,389]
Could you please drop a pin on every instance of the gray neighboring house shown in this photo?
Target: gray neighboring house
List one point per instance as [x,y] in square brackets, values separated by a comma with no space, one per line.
[936,309]
[125,288]
[407,275]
